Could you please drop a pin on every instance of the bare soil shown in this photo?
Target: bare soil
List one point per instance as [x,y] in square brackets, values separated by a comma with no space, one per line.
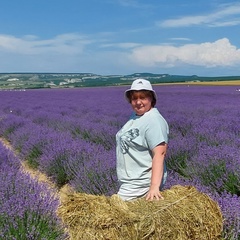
[41,177]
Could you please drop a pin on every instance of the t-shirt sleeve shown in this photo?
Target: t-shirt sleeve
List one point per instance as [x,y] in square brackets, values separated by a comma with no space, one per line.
[157,132]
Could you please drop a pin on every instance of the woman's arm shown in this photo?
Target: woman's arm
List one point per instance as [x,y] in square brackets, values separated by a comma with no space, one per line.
[159,153]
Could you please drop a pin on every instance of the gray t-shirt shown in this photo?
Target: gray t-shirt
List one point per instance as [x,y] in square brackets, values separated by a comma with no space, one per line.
[135,142]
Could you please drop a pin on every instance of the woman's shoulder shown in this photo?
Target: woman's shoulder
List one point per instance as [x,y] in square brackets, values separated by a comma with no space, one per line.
[154,112]
[155,115]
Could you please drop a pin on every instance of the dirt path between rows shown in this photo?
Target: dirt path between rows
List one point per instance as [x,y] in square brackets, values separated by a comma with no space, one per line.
[62,193]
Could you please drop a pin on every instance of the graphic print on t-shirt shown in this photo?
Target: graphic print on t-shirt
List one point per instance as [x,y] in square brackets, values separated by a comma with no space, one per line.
[127,137]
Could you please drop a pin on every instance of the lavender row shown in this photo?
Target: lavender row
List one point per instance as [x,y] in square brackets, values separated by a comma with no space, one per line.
[70,135]
[27,208]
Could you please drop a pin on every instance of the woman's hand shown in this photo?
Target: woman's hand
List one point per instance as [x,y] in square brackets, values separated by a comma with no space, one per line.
[154,194]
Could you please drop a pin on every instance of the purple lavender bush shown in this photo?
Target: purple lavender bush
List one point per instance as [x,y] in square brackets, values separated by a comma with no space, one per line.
[27,208]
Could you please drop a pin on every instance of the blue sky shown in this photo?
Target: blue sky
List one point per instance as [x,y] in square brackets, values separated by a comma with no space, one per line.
[107,37]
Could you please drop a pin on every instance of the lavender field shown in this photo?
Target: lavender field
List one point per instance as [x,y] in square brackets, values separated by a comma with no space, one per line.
[69,134]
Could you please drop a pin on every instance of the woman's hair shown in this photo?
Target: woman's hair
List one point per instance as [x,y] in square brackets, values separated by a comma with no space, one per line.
[147,93]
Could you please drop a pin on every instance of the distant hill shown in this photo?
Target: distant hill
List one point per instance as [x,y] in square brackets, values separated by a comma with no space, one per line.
[72,80]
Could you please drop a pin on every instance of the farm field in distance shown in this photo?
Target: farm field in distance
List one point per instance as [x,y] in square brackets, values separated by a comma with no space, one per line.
[69,135]
[75,80]
[210,83]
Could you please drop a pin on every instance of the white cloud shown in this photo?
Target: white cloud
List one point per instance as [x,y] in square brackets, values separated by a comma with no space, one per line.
[217,18]
[77,53]
[61,44]
[233,22]
[180,39]
[218,53]
[121,45]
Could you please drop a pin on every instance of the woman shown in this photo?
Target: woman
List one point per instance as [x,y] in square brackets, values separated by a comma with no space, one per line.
[142,145]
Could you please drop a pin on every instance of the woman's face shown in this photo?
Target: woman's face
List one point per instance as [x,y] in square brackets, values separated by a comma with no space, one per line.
[141,102]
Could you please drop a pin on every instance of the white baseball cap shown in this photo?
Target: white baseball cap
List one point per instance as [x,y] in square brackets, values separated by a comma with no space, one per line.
[140,84]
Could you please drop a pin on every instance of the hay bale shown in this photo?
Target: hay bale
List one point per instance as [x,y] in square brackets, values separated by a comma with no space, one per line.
[185,213]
